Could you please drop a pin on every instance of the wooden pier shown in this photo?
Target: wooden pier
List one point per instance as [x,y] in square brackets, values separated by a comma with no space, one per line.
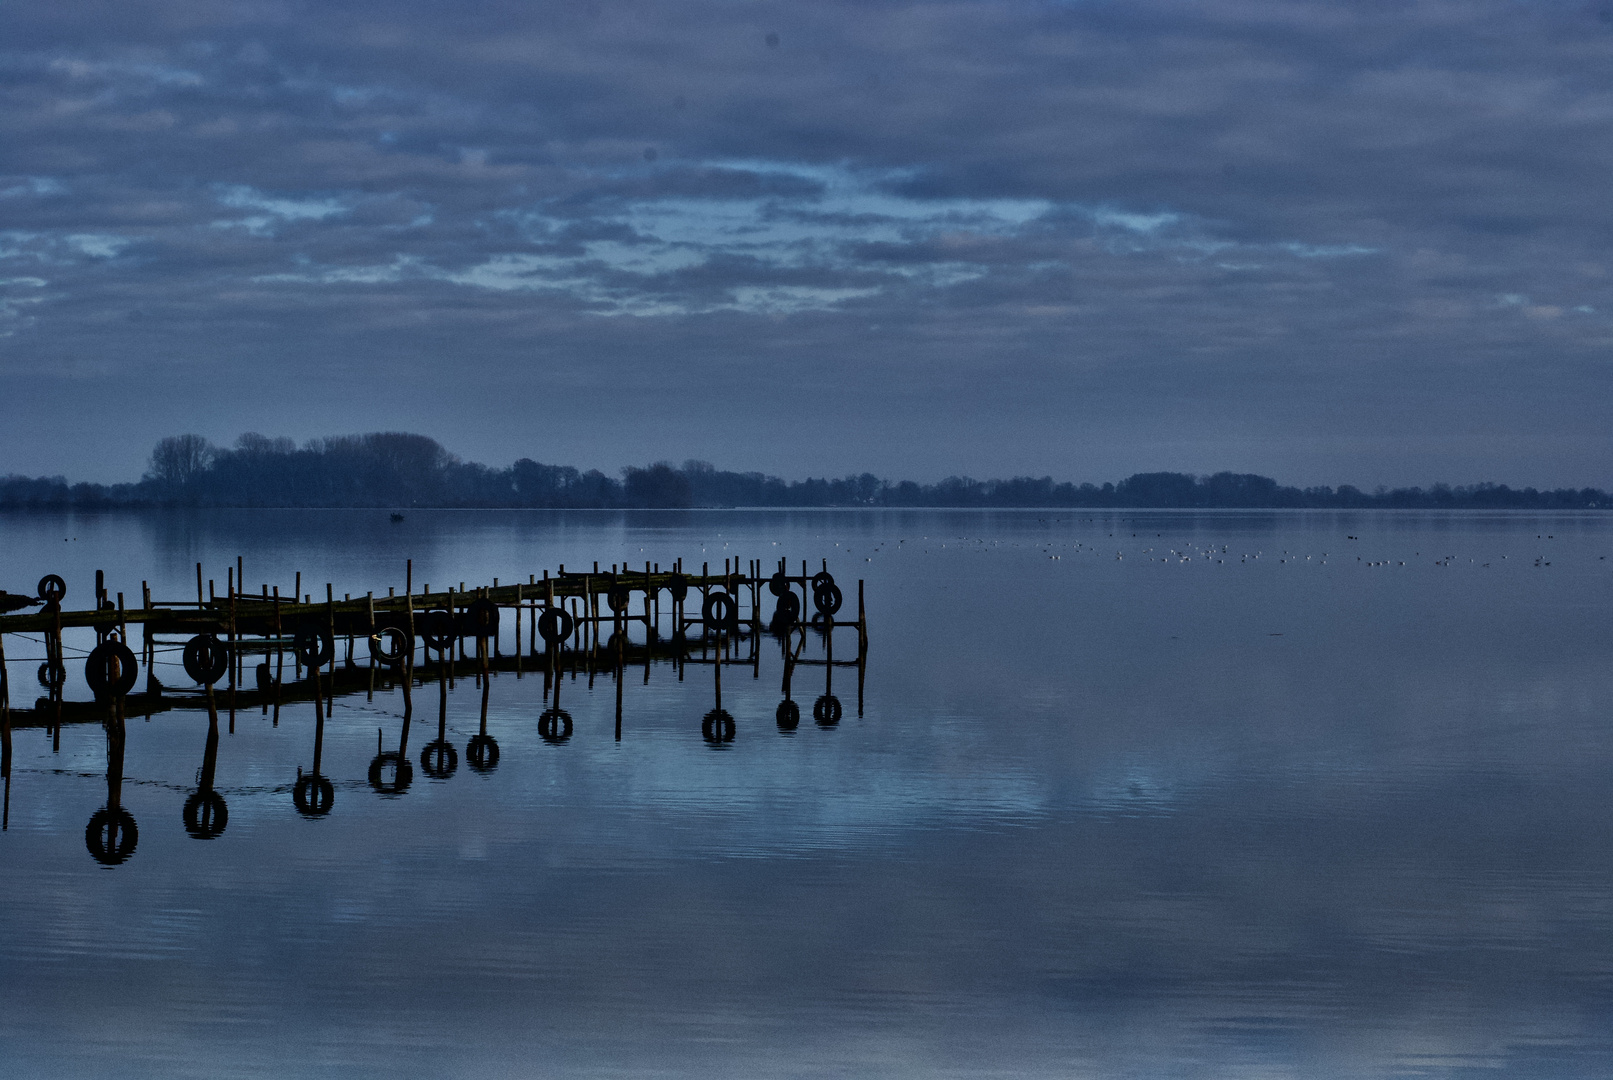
[570,614]
[410,640]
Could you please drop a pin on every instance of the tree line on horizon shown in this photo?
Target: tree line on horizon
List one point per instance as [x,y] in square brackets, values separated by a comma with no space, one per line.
[396,470]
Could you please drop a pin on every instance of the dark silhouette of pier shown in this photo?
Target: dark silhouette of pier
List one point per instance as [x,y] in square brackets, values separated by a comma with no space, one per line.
[567,626]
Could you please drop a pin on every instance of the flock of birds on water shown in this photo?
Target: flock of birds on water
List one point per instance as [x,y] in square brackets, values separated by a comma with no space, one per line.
[1188,552]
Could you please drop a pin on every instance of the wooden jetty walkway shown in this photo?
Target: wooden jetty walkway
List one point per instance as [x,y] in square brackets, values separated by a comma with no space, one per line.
[566,610]
[412,639]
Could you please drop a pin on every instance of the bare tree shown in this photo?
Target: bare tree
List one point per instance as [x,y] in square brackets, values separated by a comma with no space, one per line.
[178,461]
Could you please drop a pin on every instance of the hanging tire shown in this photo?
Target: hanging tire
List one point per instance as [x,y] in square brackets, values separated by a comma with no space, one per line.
[206,659]
[788,715]
[678,586]
[618,598]
[827,599]
[555,625]
[52,590]
[787,612]
[389,645]
[822,580]
[436,628]
[313,645]
[778,584]
[98,669]
[481,618]
[52,676]
[720,611]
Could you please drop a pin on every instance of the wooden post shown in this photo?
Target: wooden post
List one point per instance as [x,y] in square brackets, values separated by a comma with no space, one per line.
[330,610]
[100,602]
[147,648]
[408,657]
[232,655]
[5,736]
[199,586]
[551,653]
[862,621]
[446,654]
[587,592]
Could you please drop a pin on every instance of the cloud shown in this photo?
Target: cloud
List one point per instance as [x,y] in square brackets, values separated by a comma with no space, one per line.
[1203,205]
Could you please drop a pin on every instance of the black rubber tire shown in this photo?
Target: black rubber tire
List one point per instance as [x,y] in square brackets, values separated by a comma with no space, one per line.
[314,646]
[678,586]
[822,580]
[206,815]
[618,598]
[265,678]
[826,711]
[481,618]
[111,835]
[720,611]
[99,662]
[206,659]
[436,628]
[52,589]
[828,599]
[778,584]
[787,611]
[389,646]
[555,625]
[788,715]
[52,676]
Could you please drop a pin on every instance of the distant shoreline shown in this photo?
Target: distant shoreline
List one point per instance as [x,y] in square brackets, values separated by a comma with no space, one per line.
[402,471]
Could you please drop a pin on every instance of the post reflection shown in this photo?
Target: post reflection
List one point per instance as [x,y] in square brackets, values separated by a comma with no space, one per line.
[206,813]
[112,835]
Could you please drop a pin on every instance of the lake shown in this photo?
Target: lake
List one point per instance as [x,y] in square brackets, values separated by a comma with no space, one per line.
[1131,794]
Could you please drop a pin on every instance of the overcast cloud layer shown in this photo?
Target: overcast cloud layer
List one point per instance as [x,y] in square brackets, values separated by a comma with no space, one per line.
[1326,241]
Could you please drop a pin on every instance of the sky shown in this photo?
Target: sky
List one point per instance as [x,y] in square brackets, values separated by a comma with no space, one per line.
[1328,242]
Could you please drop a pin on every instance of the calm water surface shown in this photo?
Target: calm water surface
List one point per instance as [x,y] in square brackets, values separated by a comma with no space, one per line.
[1132,795]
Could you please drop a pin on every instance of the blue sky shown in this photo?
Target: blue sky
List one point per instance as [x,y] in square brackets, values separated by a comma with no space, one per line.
[1335,243]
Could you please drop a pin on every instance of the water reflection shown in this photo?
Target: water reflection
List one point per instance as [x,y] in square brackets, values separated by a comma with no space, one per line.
[312,794]
[1107,823]
[481,753]
[112,835]
[206,813]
